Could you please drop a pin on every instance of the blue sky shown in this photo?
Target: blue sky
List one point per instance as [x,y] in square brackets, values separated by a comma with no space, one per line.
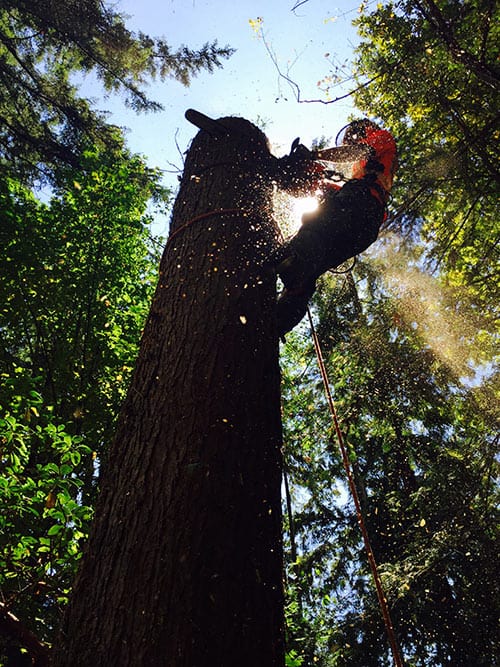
[248,85]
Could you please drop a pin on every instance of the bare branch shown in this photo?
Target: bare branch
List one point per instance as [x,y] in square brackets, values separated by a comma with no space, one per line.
[296,88]
[274,60]
[341,97]
[298,4]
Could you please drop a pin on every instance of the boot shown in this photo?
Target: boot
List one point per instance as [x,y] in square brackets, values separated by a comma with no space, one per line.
[292,306]
[294,271]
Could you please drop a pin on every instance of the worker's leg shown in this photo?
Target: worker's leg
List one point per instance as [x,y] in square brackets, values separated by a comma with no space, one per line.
[292,306]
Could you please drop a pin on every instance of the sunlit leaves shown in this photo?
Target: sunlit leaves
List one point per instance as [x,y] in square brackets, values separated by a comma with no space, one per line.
[78,272]
[256,25]
[42,522]
[443,112]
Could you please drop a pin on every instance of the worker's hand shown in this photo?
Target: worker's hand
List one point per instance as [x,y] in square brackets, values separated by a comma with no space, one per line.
[299,152]
[298,172]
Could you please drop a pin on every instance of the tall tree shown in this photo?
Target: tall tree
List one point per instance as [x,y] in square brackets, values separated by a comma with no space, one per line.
[184,563]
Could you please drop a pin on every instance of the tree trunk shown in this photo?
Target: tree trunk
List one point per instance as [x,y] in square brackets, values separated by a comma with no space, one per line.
[184,563]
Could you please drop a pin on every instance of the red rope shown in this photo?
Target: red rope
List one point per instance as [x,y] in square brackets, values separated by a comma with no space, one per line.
[398,662]
[202,216]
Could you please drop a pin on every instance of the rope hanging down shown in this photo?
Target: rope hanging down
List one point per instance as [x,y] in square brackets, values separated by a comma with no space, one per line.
[352,487]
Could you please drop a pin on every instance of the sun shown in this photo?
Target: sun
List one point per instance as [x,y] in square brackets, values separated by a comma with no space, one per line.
[288,211]
[299,206]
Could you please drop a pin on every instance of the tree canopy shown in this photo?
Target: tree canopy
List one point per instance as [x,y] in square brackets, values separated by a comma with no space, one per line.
[46,48]
[409,334]
[435,80]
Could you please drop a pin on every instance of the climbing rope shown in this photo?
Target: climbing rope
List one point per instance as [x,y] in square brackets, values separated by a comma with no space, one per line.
[354,493]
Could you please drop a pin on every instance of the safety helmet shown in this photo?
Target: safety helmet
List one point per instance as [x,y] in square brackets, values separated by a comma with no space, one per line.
[355,131]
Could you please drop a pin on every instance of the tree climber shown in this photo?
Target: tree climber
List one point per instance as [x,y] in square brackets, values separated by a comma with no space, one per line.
[348,216]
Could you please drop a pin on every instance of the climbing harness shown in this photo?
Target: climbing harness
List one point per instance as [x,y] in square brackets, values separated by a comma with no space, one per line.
[354,493]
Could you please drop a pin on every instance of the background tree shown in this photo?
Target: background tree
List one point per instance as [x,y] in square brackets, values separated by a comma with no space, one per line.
[436,83]
[423,451]
[410,346]
[77,275]
[45,48]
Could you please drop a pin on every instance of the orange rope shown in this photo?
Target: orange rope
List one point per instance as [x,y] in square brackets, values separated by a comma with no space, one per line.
[398,662]
[203,216]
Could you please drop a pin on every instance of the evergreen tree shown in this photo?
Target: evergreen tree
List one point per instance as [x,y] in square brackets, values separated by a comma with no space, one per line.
[45,46]
[410,342]
[423,453]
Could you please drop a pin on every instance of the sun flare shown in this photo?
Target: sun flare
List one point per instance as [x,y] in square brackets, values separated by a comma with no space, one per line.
[299,206]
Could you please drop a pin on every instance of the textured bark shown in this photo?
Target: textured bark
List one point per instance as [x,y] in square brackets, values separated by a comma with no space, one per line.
[184,563]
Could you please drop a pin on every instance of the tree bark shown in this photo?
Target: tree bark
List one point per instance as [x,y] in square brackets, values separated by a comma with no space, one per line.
[184,563]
